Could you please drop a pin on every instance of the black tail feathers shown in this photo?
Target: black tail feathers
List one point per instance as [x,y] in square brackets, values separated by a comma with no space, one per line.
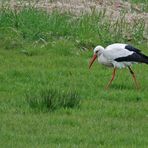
[144,58]
[135,57]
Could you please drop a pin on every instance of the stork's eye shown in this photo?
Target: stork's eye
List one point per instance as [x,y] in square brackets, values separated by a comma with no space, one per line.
[97,51]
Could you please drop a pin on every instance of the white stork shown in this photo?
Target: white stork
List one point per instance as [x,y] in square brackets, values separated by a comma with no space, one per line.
[119,56]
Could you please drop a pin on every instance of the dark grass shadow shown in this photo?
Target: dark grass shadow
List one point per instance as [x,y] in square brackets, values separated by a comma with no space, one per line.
[122,87]
[46,100]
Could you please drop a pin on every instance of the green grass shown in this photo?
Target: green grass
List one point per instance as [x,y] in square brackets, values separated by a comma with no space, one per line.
[49,97]
[139,1]
[143,4]
[50,100]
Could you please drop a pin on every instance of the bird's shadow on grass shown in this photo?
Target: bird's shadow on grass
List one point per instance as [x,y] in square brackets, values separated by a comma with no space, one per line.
[122,87]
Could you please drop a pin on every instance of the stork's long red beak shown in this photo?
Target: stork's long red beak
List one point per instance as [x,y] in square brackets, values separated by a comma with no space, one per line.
[92,60]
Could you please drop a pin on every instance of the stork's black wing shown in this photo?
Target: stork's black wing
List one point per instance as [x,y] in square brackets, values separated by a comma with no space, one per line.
[131,48]
[137,56]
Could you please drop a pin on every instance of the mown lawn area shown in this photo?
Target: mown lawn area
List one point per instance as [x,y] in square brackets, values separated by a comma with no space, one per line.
[49,97]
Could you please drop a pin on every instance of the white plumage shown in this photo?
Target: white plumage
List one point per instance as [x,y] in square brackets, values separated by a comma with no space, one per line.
[118,56]
[108,55]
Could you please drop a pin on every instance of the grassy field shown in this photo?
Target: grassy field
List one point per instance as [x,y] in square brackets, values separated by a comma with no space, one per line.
[49,97]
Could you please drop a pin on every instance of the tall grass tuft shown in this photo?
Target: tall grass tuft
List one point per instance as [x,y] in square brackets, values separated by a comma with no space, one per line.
[50,99]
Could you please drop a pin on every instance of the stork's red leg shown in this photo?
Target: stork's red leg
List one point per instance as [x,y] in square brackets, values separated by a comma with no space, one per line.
[134,77]
[113,76]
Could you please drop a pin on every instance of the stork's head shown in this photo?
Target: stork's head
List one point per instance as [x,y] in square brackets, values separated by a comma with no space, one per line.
[97,52]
